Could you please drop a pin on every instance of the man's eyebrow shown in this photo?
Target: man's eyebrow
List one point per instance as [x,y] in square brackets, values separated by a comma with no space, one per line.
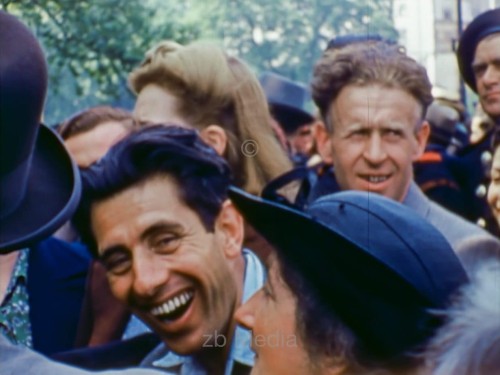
[161,227]
[393,125]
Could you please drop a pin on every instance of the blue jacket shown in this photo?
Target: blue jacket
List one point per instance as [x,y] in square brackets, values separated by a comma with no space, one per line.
[57,274]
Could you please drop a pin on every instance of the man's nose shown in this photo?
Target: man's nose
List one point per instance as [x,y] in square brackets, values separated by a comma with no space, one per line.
[149,276]
[374,151]
[244,315]
[491,74]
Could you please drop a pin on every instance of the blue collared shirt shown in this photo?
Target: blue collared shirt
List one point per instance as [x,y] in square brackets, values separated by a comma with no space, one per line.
[240,351]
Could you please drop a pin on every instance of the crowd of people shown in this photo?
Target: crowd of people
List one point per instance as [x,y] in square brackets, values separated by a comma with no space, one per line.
[222,227]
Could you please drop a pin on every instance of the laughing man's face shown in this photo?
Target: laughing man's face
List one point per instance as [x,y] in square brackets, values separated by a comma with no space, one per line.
[162,262]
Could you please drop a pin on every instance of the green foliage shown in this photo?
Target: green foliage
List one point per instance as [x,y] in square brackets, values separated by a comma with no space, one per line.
[91,46]
[288,36]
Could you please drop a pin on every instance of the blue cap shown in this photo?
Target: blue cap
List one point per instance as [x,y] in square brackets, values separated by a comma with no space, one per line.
[375,263]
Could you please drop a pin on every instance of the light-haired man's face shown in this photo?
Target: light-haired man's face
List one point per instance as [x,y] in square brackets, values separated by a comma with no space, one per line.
[486,67]
[378,132]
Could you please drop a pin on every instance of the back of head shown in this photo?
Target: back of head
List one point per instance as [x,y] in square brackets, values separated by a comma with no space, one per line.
[366,63]
[90,118]
[213,88]
[443,120]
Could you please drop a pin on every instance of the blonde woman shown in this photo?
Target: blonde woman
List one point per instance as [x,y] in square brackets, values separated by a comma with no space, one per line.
[200,86]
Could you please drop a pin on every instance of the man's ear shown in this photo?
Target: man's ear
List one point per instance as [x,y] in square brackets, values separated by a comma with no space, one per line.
[229,225]
[422,136]
[216,137]
[323,141]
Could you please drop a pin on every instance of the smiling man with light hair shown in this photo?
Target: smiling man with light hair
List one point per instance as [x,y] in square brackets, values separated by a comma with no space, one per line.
[373,99]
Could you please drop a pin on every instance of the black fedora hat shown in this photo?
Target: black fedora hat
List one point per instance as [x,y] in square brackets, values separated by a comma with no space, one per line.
[374,262]
[483,25]
[287,100]
[39,183]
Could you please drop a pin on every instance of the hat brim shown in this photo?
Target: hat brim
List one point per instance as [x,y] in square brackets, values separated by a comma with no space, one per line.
[353,283]
[52,195]
[292,231]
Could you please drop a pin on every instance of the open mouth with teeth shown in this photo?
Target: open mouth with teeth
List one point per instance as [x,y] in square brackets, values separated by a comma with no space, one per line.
[174,307]
[375,179]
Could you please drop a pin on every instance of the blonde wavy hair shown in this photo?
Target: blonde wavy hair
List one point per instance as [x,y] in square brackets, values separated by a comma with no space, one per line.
[214,88]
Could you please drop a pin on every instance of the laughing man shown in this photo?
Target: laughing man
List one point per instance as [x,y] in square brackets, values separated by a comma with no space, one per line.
[171,243]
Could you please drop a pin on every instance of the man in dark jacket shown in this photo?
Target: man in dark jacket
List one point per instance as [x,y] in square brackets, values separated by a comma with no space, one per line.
[478,56]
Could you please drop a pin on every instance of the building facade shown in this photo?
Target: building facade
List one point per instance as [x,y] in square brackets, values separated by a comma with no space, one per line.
[429,29]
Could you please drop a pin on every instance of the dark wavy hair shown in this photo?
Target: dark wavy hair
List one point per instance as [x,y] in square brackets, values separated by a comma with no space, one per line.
[202,175]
